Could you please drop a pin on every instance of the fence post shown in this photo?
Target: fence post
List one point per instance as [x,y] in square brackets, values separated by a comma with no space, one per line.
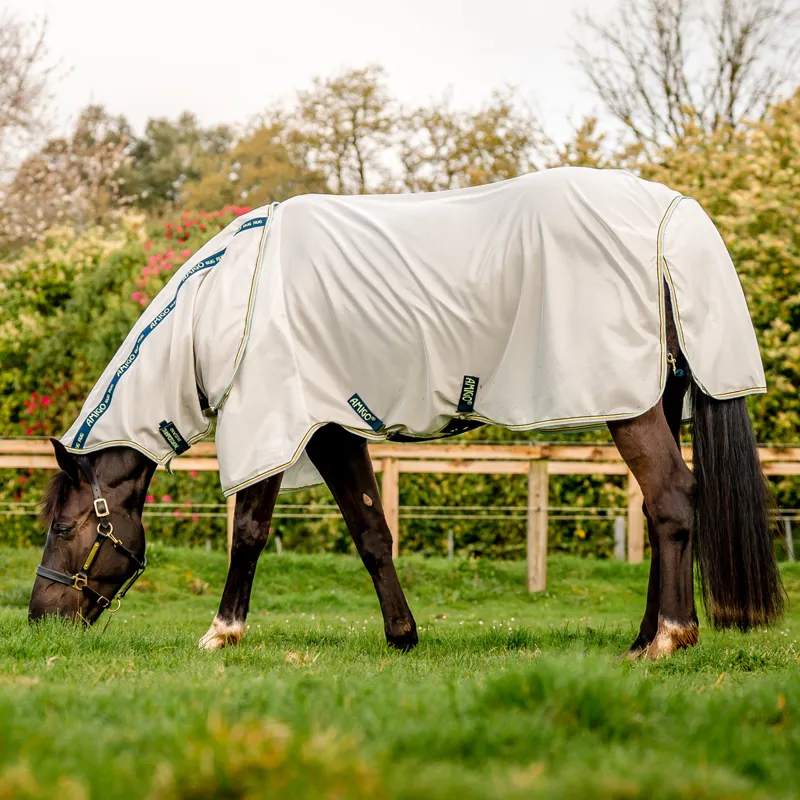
[537,525]
[787,528]
[635,521]
[619,538]
[231,503]
[390,498]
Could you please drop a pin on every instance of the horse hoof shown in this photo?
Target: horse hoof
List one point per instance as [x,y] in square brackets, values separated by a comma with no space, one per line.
[403,637]
[222,634]
[671,636]
[633,653]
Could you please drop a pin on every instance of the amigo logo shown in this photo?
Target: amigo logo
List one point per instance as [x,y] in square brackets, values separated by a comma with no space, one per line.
[469,388]
[360,407]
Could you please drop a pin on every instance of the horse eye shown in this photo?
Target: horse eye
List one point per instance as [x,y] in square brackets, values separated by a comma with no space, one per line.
[63,531]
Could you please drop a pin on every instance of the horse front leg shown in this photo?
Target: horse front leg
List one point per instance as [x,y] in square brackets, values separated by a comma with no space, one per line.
[254,508]
[343,461]
[648,446]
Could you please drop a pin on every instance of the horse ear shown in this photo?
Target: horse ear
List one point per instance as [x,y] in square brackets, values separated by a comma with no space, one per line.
[66,461]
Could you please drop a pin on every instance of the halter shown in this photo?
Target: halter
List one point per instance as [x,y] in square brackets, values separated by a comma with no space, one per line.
[105,533]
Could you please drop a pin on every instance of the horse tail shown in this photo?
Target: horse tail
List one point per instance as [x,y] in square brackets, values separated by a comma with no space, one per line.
[733,530]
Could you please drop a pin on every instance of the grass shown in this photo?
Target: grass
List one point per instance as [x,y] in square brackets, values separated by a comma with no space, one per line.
[507,696]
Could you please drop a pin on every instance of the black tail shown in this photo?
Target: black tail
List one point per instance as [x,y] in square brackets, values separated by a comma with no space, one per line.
[734,526]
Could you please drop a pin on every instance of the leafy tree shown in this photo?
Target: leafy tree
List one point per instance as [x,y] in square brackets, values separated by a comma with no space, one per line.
[342,127]
[261,167]
[443,148]
[170,155]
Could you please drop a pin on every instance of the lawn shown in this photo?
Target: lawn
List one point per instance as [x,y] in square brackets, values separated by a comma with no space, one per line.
[508,695]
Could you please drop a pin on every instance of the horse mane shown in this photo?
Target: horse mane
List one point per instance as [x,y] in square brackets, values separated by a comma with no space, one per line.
[54,497]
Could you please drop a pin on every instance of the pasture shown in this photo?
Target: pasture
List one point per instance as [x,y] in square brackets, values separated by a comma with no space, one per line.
[508,694]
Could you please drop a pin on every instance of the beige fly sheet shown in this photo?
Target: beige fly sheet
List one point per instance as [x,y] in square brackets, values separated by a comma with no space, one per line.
[536,302]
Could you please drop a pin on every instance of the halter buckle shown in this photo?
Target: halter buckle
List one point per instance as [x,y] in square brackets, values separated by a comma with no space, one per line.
[79,581]
[101,507]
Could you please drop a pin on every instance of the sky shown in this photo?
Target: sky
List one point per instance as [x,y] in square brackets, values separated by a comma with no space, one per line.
[228,61]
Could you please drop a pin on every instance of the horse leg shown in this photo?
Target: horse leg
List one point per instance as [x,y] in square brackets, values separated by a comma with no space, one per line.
[672,403]
[254,507]
[649,448]
[343,461]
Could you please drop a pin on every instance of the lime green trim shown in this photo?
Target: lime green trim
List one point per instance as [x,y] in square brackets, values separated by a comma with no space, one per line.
[682,341]
[250,306]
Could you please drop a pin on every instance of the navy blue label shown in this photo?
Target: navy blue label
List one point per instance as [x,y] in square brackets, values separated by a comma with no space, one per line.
[360,407]
[173,437]
[256,222]
[469,388]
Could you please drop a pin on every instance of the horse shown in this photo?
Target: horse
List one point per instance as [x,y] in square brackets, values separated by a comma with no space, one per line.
[685,343]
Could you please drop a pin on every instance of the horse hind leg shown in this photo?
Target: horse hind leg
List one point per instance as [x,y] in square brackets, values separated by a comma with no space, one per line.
[254,508]
[672,404]
[649,447]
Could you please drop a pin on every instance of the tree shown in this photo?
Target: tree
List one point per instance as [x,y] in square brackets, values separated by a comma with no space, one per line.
[25,74]
[261,167]
[342,127]
[661,67]
[443,148]
[74,180]
[170,154]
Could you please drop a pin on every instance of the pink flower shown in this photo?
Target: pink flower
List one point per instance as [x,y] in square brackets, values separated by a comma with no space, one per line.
[23,479]
[34,396]
[136,296]
[195,517]
[29,432]
[143,302]
[193,473]
[166,499]
[45,400]
[187,502]
[177,513]
[145,271]
[149,499]
[186,252]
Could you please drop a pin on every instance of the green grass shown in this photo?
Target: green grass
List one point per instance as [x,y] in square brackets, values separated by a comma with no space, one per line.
[508,695]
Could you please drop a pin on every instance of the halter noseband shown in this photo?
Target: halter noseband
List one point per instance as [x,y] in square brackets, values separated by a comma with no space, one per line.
[105,533]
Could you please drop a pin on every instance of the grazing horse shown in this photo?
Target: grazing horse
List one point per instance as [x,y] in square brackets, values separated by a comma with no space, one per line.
[563,299]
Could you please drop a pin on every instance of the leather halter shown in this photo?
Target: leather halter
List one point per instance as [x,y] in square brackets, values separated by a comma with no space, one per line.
[105,533]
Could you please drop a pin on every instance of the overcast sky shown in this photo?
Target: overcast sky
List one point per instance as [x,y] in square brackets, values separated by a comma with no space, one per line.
[227,61]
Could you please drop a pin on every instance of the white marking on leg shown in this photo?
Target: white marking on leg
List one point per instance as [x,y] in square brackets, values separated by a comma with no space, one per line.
[671,636]
[367,499]
[222,633]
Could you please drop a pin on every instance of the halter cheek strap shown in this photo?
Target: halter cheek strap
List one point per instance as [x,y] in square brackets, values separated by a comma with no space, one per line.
[105,533]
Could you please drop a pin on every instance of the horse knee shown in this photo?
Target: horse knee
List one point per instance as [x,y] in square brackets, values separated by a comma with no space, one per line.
[672,508]
[376,548]
[249,537]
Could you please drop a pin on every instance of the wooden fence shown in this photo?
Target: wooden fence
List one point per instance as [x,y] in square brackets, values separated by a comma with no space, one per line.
[538,462]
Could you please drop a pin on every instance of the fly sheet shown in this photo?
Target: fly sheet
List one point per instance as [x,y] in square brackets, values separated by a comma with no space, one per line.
[536,302]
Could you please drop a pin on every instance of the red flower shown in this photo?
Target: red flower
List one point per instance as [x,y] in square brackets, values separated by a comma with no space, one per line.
[29,432]
[45,400]
[149,499]
[193,473]
[177,513]
[136,296]
[186,253]
[195,517]
[23,479]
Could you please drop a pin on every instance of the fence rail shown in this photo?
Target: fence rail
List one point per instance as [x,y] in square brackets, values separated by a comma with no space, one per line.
[537,461]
